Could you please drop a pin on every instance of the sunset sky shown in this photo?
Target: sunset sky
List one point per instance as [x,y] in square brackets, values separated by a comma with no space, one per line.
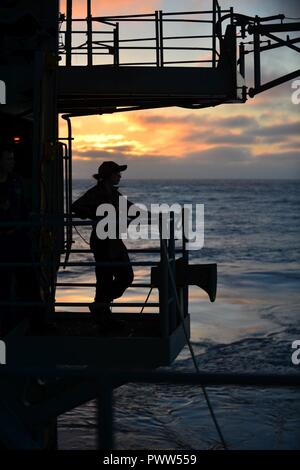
[259,139]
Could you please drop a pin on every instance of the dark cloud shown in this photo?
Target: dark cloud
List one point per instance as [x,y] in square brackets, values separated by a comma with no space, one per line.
[209,130]
[279,130]
[281,157]
[291,145]
[238,139]
[237,121]
[219,155]
[278,165]
[271,139]
[217,162]
[225,162]
[157,119]
[194,119]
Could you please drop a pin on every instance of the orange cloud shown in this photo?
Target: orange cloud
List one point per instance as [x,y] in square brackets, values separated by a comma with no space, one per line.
[177,133]
[108,7]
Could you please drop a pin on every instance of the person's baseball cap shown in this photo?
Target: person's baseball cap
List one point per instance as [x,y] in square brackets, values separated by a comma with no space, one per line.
[107,168]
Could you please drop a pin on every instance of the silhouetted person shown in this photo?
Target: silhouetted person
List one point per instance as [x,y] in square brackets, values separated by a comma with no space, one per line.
[16,283]
[111,281]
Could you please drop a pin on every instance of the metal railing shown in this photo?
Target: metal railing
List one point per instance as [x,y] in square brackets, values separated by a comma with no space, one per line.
[165,307]
[82,38]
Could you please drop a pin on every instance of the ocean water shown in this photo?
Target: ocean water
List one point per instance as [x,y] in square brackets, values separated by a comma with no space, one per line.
[252,231]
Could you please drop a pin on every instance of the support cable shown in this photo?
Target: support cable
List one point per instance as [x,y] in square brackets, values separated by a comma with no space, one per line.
[82,238]
[207,399]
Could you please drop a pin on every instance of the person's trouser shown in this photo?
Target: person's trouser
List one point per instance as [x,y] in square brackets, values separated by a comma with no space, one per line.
[18,284]
[111,281]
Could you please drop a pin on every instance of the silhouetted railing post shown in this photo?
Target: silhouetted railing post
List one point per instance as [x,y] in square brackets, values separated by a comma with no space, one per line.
[257,72]
[171,252]
[68,35]
[69,186]
[116,45]
[185,255]
[231,15]
[214,35]
[161,35]
[242,59]
[163,284]
[89,34]
[157,41]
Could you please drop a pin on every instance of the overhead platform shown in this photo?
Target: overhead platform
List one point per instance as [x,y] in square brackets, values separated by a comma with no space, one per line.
[88,88]
[158,77]
[181,59]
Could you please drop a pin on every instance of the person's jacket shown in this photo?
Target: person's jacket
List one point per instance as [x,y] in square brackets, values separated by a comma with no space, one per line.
[86,206]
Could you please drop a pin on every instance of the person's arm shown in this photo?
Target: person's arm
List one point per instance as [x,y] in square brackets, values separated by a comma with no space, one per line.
[85,207]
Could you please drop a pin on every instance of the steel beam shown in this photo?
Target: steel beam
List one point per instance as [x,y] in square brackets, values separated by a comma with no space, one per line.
[273,83]
[273,28]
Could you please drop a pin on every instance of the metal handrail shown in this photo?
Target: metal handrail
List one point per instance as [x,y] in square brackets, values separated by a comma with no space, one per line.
[72,304]
[113,46]
[74,264]
[93,284]
[166,305]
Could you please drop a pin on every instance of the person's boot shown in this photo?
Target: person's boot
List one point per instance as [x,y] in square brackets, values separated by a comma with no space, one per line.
[103,316]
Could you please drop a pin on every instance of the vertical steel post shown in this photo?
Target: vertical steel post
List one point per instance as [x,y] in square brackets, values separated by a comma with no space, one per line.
[231,15]
[89,34]
[219,11]
[68,37]
[66,195]
[214,35]
[70,176]
[69,185]
[157,40]
[185,256]
[116,45]
[242,59]
[171,251]
[161,34]
[69,124]
[163,284]
[257,71]
[105,417]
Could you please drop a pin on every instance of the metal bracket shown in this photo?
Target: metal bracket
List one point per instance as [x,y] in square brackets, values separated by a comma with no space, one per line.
[201,275]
